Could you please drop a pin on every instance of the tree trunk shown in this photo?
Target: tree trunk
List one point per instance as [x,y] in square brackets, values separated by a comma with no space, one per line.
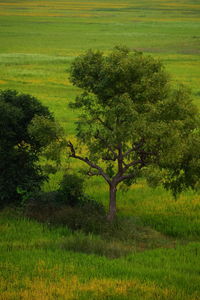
[112,203]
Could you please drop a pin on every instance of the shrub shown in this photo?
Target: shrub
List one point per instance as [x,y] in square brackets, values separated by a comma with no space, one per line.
[71,191]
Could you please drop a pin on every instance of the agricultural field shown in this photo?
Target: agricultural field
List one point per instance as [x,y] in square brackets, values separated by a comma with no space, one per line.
[38,41]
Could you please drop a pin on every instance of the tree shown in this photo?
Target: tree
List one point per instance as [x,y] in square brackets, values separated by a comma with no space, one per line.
[28,129]
[133,123]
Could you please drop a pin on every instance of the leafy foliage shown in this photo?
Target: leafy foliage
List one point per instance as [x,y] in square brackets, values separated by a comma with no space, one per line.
[134,122]
[21,144]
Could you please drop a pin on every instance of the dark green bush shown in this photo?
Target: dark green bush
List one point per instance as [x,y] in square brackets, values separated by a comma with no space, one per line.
[71,191]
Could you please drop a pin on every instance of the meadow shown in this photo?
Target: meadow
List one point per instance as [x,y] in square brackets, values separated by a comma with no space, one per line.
[36,264]
[38,41]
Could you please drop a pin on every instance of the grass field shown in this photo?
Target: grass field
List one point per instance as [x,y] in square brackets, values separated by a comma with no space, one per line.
[36,265]
[38,41]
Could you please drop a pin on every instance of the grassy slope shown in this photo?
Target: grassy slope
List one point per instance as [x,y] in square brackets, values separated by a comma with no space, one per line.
[38,40]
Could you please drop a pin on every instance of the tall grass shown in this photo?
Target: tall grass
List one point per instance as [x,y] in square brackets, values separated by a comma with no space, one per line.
[36,264]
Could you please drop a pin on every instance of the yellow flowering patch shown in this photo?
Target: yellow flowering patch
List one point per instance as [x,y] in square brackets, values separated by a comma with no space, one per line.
[3,82]
[52,9]
[172,5]
[72,288]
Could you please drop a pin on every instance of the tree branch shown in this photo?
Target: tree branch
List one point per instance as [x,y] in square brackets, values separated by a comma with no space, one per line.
[132,164]
[128,152]
[91,173]
[107,157]
[120,160]
[135,147]
[129,176]
[124,177]
[88,162]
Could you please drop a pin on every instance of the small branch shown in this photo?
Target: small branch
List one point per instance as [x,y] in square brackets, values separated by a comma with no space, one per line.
[120,160]
[132,164]
[108,158]
[128,176]
[128,152]
[70,145]
[124,177]
[91,173]
[88,162]
[135,147]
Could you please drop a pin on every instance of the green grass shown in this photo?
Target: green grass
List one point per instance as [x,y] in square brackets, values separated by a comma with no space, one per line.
[36,262]
[38,41]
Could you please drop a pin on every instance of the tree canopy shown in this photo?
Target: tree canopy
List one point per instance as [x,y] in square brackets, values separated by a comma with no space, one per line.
[134,123]
[27,130]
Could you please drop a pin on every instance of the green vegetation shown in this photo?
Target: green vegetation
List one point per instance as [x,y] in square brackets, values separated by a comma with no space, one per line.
[27,130]
[133,123]
[39,40]
[36,263]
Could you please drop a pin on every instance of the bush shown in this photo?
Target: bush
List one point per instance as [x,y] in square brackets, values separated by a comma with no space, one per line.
[71,191]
